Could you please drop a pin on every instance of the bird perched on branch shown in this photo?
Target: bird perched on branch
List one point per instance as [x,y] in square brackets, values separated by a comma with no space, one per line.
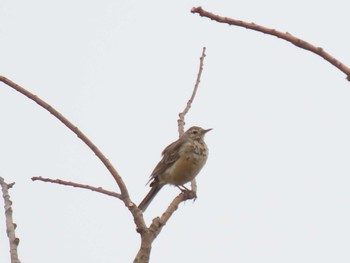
[182,161]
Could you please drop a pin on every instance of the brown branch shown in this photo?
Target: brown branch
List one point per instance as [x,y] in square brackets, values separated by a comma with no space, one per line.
[181,120]
[149,234]
[158,223]
[286,36]
[74,129]
[124,196]
[10,226]
[89,187]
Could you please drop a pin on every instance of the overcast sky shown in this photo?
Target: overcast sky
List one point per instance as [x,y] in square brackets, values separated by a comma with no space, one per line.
[276,185]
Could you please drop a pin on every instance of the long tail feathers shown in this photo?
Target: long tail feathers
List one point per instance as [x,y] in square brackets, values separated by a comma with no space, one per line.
[149,197]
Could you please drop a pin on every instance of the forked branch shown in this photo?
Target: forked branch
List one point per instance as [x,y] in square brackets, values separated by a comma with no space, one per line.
[73,128]
[147,234]
[124,195]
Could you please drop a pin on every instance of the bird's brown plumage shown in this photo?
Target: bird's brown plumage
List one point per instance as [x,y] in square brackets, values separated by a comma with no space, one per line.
[182,160]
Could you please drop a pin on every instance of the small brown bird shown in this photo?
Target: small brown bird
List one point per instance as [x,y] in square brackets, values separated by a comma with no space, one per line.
[182,161]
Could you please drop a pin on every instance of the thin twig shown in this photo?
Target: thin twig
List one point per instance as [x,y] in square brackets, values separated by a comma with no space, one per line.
[181,120]
[89,187]
[286,36]
[10,226]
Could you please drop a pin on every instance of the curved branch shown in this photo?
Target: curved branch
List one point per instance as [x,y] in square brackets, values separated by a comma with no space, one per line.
[286,36]
[73,128]
[124,196]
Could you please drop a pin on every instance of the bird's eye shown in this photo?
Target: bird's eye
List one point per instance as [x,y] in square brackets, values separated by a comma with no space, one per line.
[195,132]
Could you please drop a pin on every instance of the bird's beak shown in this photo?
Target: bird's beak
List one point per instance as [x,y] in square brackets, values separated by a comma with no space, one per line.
[205,131]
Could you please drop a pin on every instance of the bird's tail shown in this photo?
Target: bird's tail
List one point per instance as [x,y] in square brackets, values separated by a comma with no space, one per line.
[149,197]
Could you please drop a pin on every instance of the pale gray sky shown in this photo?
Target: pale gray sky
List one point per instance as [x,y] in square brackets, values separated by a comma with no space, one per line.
[276,185]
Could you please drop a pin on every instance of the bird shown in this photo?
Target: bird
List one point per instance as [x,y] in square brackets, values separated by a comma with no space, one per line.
[181,162]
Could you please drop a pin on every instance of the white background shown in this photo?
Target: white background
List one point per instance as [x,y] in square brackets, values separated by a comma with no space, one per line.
[276,185]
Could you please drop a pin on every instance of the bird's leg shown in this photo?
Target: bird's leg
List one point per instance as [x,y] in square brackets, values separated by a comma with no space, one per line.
[189,193]
[183,188]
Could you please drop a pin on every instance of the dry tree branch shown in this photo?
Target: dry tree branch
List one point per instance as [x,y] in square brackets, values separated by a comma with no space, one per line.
[149,234]
[286,36]
[158,223]
[74,129]
[156,227]
[181,120]
[84,186]
[124,195]
[10,226]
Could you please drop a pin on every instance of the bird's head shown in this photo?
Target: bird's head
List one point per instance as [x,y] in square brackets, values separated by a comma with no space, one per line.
[196,133]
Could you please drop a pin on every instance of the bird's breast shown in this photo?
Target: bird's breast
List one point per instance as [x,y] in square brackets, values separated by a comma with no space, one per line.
[192,158]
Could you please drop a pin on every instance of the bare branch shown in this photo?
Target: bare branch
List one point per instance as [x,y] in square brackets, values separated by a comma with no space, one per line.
[149,234]
[124,196]
[181,120]
[73,128]
[158,223]
[10,226]
[92,188]
[286,36]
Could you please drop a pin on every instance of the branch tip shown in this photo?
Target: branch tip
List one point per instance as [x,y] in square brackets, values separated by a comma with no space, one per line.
[273,32]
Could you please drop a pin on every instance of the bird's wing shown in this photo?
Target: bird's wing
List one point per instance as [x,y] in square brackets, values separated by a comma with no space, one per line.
[170,156]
